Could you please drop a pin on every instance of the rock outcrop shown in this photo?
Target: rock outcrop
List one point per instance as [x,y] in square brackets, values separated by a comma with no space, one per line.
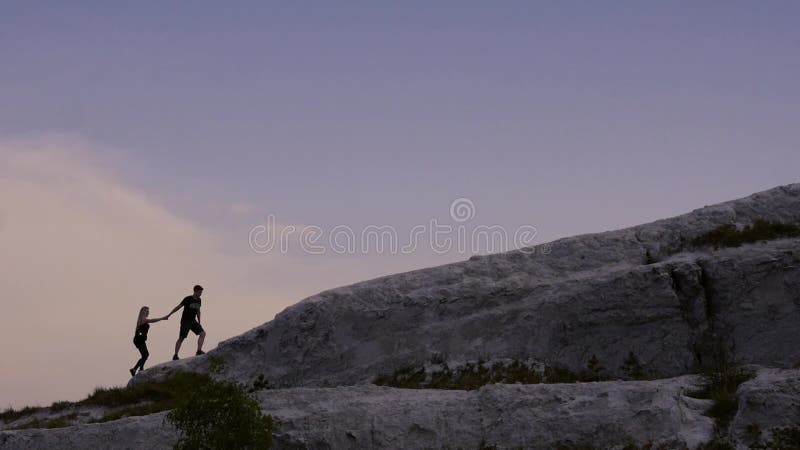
[605,294]
[508,416]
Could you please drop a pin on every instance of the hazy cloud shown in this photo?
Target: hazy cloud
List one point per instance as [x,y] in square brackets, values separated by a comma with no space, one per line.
[80,254]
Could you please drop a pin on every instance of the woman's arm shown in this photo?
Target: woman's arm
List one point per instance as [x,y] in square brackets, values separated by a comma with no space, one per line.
[159,319]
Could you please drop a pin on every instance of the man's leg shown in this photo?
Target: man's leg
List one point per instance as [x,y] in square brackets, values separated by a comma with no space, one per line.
[200,341]
[178,345]
[184,331]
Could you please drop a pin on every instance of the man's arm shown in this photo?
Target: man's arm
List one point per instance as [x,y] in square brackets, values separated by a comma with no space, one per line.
[175,309]
[198,316]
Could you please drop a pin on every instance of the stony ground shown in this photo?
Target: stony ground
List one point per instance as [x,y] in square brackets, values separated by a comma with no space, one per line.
[608,414]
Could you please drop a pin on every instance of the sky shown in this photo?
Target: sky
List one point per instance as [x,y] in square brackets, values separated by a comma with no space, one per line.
[141,144]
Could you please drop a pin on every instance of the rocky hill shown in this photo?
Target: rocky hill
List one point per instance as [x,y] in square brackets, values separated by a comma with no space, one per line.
[606,294]
[658,301]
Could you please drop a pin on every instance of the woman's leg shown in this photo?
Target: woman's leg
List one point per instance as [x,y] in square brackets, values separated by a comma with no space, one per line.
[143,350]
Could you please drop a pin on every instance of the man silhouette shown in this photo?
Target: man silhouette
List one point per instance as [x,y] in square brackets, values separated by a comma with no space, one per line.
[190,320]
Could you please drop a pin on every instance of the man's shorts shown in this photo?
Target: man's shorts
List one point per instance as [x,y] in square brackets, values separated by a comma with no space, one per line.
[190,325]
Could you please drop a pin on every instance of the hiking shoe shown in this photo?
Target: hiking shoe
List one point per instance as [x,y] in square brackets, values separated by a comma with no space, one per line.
[132,371]
[200,352]
[175,357]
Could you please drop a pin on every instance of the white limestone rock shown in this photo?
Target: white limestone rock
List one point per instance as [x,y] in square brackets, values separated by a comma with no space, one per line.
[597,294]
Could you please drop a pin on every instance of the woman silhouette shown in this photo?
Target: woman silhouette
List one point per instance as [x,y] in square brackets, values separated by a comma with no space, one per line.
[140,337]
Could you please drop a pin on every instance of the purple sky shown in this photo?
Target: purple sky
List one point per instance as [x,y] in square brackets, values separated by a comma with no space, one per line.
[573,117]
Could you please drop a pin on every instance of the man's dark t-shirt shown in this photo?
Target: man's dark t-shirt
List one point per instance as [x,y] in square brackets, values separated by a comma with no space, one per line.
[189,313]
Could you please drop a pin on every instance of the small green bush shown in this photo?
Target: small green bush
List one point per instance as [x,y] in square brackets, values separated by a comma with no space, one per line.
[595,372]
[260,383]
[633,368]
[220,415]
[721,379]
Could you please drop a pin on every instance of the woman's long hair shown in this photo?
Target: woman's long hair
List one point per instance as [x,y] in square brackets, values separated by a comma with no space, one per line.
[140,318]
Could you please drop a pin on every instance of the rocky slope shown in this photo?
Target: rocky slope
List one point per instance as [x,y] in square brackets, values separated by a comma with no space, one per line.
[641,290]
[605,294]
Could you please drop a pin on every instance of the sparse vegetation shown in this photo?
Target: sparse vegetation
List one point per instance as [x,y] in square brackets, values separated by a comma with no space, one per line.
[595,372]
[631,445]
[633,368]
[146,398]
[753,433]
[138,400]
[558,374]
[718,443]
[260,383]
[162,392]
[729,235]
[474,375]
[152,397]
[60,406]
[785,438]
[409,377]
[722,378]
[11,414]
[141,409]
[484,446]
[648,258]
[216,364]
[569,445]
[761,230]
[437,358]
[58,422]
[220,415]
[671,445]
